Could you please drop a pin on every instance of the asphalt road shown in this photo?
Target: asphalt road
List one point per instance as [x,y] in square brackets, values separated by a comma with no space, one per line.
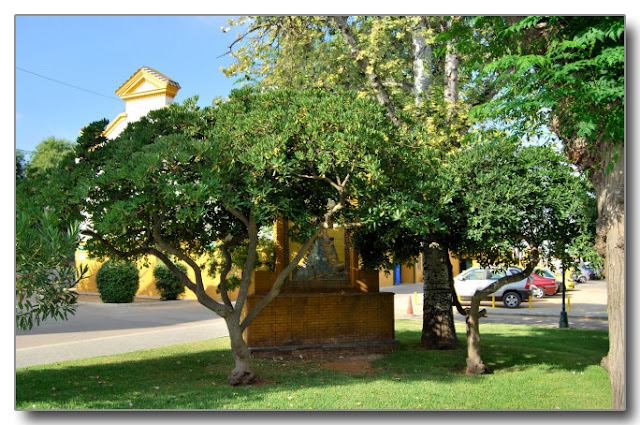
[586,307]
[99,329]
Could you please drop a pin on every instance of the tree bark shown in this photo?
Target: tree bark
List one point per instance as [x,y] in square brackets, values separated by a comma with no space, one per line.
[475,364]
[422,64]
[242,374]
[451,78]
[609,188]
[438,330]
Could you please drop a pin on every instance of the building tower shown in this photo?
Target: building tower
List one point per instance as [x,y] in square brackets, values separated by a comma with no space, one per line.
[144,91]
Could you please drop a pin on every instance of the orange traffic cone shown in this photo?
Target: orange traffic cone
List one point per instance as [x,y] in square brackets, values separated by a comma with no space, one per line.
[410,308]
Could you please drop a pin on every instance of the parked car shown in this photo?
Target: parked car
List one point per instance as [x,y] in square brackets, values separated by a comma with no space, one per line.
[598,272]
[541,286]
[558,277]
[582,273]
[476,278]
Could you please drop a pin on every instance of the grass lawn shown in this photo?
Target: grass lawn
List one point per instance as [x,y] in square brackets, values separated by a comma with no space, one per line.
[535,368]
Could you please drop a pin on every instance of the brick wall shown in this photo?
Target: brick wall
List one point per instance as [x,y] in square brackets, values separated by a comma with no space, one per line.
[318,323]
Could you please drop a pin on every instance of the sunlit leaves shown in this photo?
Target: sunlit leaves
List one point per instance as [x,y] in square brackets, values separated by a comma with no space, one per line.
[574,68]
[512,198]
[44,269]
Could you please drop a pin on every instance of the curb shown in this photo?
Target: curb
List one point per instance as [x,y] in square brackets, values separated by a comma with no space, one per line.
[116,305]
[593,316]
[131,304]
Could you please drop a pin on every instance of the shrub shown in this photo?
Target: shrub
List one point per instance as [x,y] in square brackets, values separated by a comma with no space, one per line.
[168,284]
[117,282]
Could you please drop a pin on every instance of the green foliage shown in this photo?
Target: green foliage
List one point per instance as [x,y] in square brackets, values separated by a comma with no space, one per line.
[50,190]
[512,198]
[48,154]
[291,150]
[168,284]
[21,164]
[304,52]
[117,282]
[573,69]
[184,178]
[44,269]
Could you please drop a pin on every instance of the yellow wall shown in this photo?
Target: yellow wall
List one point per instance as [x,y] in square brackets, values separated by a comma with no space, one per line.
[386,278]
[413,273]
[147,281]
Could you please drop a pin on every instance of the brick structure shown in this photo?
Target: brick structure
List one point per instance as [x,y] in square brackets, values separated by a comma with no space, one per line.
[341,314]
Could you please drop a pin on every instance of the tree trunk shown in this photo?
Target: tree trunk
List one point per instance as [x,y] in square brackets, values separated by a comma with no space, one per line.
[242,374]
[422,64]
[451,78]
[475,365]
[438,330]
[610,193]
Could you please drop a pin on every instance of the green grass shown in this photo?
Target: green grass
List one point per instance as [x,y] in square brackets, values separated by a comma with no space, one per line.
[535,368]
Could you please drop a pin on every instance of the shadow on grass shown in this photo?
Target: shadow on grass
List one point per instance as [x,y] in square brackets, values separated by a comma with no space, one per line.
[193,376]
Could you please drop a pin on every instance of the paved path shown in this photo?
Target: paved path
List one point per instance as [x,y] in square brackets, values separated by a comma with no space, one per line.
[102,329]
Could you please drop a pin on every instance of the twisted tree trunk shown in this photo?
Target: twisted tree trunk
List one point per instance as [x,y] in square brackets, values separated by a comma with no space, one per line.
[242,374]
[475,364]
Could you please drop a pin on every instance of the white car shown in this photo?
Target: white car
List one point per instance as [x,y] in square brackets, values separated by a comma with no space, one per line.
[477,278]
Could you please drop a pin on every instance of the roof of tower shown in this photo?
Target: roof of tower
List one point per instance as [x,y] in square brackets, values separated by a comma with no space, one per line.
[146,82]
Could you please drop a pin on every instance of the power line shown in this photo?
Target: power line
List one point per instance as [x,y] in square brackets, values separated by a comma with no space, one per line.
[67,84]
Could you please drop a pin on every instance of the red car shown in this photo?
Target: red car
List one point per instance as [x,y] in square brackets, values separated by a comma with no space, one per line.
[542,286]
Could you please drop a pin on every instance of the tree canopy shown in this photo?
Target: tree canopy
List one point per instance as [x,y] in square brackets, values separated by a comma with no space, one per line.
[184,177]
[48,154]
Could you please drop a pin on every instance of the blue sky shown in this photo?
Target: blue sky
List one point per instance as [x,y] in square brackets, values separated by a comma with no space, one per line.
[98,54]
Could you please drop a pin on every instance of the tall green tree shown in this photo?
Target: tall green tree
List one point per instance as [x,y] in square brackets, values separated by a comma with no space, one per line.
[21,164]
[184,177]
[411,66]
[515,205]
[567,73]
[48,154]
[47,235]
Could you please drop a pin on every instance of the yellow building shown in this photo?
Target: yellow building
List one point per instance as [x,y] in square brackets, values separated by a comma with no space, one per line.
[147,280]
[146,90]
[413,273]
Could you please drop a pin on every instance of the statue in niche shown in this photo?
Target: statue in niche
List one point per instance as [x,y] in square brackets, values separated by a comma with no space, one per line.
[321,263]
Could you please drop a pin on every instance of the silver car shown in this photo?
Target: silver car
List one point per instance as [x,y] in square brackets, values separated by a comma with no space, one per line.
[476,278]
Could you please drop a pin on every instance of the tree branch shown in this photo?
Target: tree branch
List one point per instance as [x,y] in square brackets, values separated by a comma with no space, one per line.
[279,282]
[247,271]
[200,292]
[367,69]
[533,262]
[118,253]
[225,271]
[236,213]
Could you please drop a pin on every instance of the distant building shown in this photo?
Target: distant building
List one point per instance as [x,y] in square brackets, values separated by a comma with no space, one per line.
[144,91]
